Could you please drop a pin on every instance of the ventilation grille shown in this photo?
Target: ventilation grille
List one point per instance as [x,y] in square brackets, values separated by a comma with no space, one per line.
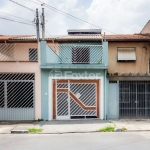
[17,76]
[112,81]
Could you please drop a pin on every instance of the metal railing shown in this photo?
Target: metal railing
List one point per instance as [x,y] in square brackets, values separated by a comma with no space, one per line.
[74,54]
[18,52]
[134,99]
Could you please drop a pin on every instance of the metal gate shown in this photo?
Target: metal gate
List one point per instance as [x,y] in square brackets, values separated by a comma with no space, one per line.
[16,96]
[75,99]
[134,99]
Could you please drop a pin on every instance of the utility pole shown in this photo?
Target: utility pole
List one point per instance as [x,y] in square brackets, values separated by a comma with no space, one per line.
[43,24]
[37,25]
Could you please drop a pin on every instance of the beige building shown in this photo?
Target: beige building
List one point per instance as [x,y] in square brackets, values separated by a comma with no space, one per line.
[129,75]
[128,53]
[19,79]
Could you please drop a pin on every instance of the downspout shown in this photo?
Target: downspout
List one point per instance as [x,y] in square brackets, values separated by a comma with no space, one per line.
[105,97]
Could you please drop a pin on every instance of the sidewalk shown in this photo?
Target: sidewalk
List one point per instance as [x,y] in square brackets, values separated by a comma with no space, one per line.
[74,126]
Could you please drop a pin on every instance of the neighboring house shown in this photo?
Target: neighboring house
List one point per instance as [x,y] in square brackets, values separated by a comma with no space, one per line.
[146,29]
[19,79]
[73,76]
[129,76]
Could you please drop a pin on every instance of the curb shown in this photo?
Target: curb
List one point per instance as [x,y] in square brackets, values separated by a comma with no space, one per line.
[26,132]
[19,132]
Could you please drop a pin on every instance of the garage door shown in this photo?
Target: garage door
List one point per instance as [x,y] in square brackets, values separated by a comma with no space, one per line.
[17,96]
[75,99]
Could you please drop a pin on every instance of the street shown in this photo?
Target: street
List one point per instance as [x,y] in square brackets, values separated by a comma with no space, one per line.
[76,141]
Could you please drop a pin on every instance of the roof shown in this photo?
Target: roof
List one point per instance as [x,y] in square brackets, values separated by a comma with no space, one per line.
[83,37]
[7,37]
[65,37]
[127,37]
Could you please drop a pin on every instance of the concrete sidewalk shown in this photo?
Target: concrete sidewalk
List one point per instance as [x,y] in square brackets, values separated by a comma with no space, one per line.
[74,126]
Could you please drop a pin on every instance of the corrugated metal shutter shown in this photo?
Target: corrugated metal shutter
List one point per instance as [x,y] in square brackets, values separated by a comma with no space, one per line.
[126,54]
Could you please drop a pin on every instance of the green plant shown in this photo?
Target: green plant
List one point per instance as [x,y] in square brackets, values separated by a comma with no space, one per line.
[99,61]
[124,129]
[107,129]
[40,120]
[35,130]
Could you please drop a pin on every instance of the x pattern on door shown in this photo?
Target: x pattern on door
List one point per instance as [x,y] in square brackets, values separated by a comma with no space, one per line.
[75,98]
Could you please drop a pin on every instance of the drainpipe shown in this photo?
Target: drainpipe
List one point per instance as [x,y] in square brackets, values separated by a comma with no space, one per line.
[105,100]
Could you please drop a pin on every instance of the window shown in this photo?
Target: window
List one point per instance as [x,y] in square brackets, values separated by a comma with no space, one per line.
[126,54]
[81,55]
[33,54]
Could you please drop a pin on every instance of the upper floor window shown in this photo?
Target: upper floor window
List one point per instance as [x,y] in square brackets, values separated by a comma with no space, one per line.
[33,54]
[126,54]
[81,55]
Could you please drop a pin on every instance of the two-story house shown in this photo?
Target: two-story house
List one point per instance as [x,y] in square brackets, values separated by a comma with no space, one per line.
[19,78]
[129,75]
[73,75]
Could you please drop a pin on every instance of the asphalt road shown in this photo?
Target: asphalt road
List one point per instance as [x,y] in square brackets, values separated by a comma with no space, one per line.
[76,141]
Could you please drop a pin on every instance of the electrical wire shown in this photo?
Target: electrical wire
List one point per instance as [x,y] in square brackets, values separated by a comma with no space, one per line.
[16,21]
[16,16]
[67,14]
[34,2]
[48,6]
[22,6]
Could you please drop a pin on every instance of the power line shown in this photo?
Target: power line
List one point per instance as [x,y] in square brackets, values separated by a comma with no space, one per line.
[23,6]
[67,16]
[48,6]
[15,16]
[16,21]
[34,2]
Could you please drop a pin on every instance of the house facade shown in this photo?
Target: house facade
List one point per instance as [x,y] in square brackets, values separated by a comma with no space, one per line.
[73,76]
[19,79]
[128,75]
[80,75]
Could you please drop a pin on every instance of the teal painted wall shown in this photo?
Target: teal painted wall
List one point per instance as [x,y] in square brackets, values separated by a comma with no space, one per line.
[113,101]
[51,56]
[45,73]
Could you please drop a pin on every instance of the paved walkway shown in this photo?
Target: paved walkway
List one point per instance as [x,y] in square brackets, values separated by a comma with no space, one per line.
[72,126]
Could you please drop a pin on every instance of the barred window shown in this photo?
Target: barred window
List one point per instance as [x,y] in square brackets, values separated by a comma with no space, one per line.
[81,55]
[33,54]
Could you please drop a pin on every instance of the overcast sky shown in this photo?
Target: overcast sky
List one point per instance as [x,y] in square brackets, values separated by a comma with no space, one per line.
[117,16]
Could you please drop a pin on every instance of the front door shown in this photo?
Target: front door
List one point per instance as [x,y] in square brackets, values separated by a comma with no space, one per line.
[75,99]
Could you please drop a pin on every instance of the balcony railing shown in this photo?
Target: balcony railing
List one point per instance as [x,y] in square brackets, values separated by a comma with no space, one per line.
[18,52]
[74,54]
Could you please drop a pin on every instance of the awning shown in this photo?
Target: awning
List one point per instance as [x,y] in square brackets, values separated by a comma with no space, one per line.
[126,54]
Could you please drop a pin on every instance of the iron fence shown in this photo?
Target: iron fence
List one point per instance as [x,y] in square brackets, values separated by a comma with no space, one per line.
[74,54]
[134,99]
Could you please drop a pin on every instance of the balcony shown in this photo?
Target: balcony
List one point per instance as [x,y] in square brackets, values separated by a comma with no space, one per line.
[74,55]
